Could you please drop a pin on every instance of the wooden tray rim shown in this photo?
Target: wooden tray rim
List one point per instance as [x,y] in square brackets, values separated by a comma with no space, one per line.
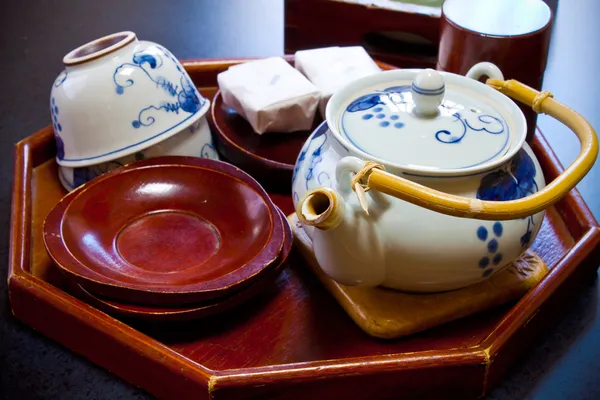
[481,354]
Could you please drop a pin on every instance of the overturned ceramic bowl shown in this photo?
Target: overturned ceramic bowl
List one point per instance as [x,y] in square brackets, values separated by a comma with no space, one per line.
[118,96]
[191,230]
[194,141]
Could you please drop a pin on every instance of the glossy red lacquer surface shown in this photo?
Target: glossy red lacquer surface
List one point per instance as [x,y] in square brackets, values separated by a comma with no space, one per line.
[192,311]
[166,231]
[270,156]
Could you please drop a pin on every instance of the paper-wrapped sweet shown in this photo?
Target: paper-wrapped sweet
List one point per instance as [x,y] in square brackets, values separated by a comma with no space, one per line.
[270,94]
[331,68]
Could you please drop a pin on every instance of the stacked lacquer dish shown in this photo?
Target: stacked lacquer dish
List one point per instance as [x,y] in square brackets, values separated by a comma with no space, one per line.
[169,238]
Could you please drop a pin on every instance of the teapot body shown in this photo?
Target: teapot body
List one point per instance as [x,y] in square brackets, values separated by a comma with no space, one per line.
[406,247]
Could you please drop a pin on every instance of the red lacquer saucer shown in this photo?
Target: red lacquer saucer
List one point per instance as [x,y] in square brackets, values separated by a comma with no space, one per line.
[193,311]
[165,231]
[269,157]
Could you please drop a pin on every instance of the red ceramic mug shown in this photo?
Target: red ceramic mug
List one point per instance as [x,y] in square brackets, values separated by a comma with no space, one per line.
[512,34]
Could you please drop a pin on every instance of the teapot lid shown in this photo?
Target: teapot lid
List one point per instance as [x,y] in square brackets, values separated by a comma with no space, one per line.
[424,120]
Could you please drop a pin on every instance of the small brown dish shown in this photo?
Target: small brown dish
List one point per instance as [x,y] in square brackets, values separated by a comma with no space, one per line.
[166,231]
[269,157]
[192,311]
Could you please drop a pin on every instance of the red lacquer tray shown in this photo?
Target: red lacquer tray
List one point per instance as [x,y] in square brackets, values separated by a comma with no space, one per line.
[294,341]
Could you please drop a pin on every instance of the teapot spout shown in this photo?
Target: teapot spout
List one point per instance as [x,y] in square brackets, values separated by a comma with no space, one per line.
[323,208]
[345,245]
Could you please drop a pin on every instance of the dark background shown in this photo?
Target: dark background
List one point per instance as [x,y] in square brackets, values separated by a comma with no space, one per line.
[36,34]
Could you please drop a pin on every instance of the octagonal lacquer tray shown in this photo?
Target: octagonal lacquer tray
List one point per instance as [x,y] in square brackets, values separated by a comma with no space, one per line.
[294,340]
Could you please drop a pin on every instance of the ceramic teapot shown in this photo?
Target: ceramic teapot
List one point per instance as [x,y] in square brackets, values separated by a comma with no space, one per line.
[422,181]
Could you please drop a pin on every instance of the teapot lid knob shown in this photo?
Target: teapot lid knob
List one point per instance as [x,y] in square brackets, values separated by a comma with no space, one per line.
[428,92]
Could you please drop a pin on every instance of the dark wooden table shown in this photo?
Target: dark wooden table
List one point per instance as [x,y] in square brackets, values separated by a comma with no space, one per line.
[36,34]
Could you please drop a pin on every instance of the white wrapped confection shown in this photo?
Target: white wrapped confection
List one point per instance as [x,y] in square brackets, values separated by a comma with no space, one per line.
[270,94]
[331,68]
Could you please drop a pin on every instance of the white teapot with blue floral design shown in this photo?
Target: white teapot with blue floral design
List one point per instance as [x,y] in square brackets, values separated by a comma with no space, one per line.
[422,181]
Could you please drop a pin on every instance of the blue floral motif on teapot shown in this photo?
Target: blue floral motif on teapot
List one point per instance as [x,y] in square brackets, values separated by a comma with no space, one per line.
[390,107]
[313,158]
[515,181]
[493,255]
[395,95]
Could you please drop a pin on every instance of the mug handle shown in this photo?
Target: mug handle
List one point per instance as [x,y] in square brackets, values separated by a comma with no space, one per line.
[464,207]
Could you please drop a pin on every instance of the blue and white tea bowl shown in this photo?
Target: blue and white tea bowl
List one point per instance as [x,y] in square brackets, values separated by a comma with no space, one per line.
[193,141]
[118,96]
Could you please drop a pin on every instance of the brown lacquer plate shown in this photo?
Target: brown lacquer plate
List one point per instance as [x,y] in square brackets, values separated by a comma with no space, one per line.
[268,157]
[192,311]
[169,230]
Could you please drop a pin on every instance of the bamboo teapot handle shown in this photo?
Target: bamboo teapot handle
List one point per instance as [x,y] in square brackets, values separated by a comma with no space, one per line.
[458,206]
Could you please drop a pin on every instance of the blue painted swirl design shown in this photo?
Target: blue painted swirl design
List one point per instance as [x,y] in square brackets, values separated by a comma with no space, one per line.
[186,101]
[186,98]
[323,179]
[208,151]
[445,136]
[398,95]
[140,60]
[153,61]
